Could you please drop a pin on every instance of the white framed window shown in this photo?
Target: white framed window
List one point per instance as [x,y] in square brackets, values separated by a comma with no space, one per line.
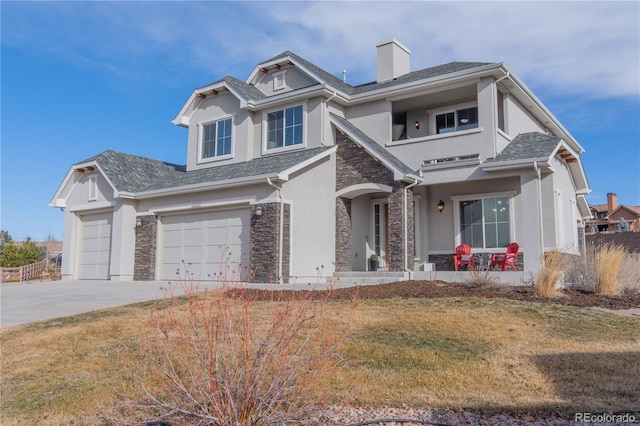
[454,118]
[484,221]
[92,181]
[284,128]
[279,81]
[216,139]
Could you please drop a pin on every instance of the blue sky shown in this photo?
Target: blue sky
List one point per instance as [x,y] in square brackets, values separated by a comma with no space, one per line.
[78,78]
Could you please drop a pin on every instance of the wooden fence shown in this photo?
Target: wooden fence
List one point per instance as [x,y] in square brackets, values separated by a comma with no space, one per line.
[24,273]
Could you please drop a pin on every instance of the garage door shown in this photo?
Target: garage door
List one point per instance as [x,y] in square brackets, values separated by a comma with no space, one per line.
[95,246]
[210,245]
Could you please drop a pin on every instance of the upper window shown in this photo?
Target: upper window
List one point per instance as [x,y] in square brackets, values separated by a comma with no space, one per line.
[216,139]
[485,222]
[284,128]
[453,121]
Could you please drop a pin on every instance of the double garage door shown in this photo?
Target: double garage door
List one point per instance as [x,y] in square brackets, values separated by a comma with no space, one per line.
[209,246]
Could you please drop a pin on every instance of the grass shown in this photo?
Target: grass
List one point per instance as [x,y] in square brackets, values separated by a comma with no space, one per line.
[473,353]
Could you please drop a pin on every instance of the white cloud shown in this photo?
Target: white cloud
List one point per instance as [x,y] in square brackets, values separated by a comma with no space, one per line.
[588,48]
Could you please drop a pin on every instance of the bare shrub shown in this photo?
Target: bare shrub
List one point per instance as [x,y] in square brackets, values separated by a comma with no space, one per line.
[479,278]
[223,357]
[629,276]
[608,261]
[580,271]
[549,273]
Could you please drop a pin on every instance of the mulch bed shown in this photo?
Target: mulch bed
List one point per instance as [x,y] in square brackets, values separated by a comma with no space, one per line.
[436,289]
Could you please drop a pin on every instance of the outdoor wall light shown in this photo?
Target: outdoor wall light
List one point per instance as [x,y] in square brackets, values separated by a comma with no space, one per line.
[441,206]
[417,124]
[260,210]
[139,221]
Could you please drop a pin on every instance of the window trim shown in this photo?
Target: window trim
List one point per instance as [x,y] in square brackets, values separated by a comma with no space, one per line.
[510,195]
[265,130]
[432,113]
[201,125]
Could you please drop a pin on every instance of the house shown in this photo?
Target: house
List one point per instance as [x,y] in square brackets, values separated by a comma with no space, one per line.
[294,174]
[606,218]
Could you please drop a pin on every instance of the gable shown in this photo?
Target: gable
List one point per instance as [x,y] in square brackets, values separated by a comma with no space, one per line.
[281,79]
[626,212]
[378,153]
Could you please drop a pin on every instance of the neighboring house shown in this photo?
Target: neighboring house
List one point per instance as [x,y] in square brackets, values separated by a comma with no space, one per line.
[606,218]
[295,174]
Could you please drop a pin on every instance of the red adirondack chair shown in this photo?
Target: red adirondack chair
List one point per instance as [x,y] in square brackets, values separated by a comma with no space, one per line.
[463,256]
[506,259]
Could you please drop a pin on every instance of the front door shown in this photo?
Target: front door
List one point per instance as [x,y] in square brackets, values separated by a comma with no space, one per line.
[380,222]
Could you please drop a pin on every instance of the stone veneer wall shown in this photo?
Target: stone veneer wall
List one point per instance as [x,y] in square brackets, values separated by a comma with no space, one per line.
[353,166]
[343,234]
[144,266]
[264,237]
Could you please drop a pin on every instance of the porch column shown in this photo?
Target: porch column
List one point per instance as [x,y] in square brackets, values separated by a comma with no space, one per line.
[144,267]
[396,256]
[532,245]
[343,234]
[123,241]
[265,243]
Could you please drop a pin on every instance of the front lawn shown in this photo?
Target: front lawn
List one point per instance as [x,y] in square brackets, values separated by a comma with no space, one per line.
[472,353]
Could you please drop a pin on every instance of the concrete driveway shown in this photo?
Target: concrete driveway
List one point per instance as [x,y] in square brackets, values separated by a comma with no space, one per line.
[31,301]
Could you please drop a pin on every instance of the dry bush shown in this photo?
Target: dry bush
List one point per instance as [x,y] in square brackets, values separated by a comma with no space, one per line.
[481,278]
[608,261]
[580,271]
[550,272]
[225,358]
[629,276]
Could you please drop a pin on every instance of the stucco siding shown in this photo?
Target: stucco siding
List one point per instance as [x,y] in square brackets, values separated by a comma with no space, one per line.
[293,79]
[441,236]
[566,208]
[519,119]
[212,109]
[312,198]
[82,194]
[374,119]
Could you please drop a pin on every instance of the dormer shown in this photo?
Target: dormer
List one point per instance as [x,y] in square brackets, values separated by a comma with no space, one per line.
[278,76]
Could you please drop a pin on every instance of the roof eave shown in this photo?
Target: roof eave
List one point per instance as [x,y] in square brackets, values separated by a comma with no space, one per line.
[516,164]
[450,78]
[563,133]
[199,95]
[200,187]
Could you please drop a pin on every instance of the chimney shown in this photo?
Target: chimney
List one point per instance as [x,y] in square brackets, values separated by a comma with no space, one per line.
[393,60]
[612,202]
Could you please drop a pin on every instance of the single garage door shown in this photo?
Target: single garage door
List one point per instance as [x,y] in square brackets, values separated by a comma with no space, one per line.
[95,246]
[210,245]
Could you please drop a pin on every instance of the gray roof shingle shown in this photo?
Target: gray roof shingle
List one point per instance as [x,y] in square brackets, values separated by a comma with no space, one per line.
[528,146]
[375,148]
[245,90]
[130,173]
[423,74]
